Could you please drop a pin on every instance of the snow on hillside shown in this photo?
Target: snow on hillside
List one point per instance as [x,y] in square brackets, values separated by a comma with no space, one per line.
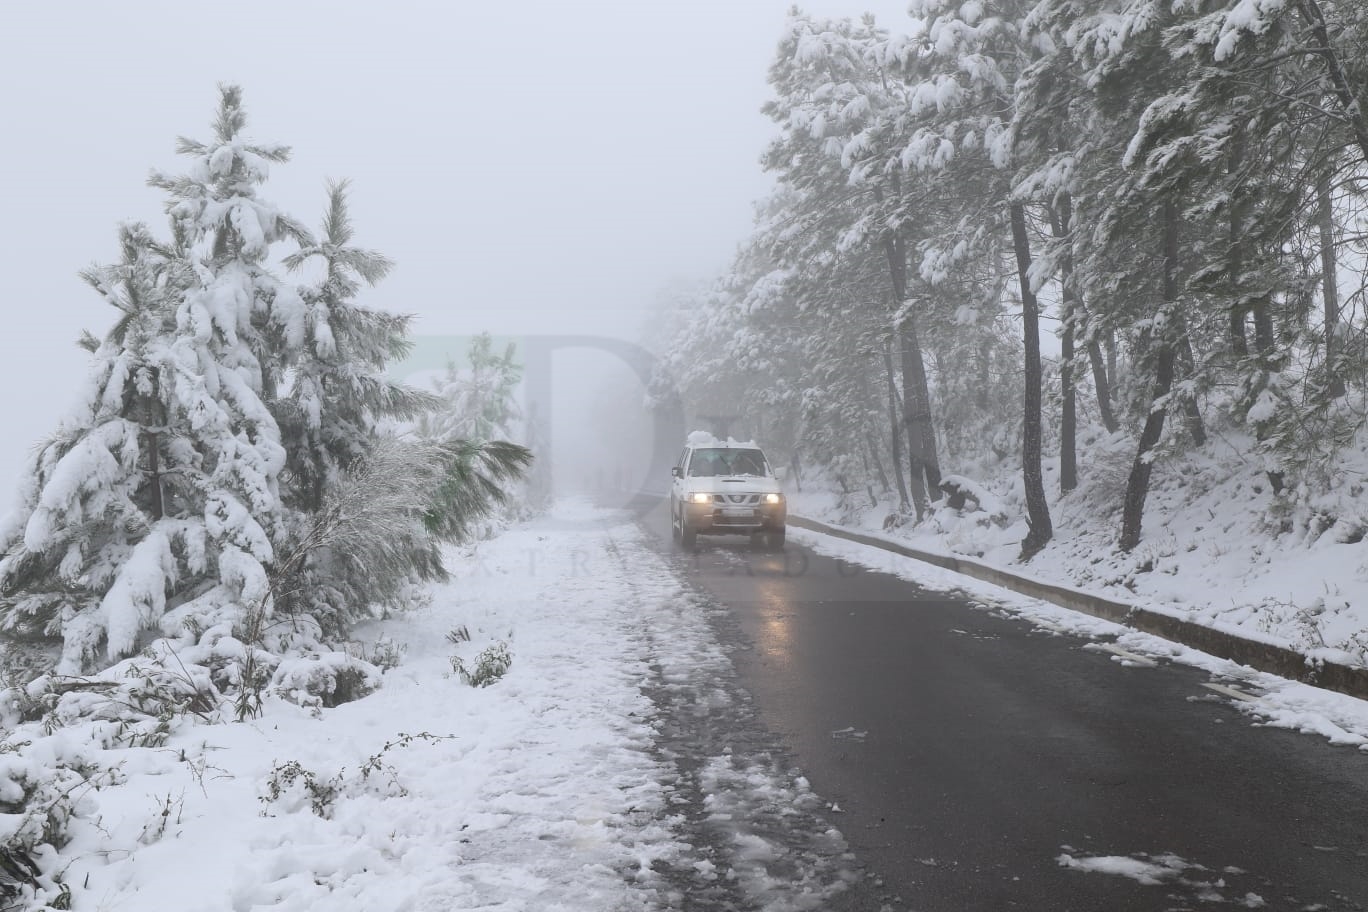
[1218,548]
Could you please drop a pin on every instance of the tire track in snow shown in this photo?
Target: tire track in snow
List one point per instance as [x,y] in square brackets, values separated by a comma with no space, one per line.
[755,835]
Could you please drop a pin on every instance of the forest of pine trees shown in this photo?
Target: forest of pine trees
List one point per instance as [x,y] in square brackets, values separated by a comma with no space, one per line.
[1172,191]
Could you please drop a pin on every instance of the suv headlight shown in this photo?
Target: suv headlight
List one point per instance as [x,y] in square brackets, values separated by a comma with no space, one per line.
[774,498]
[700,497]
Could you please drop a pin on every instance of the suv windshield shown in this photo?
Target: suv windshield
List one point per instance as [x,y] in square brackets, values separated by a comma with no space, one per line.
[726,461]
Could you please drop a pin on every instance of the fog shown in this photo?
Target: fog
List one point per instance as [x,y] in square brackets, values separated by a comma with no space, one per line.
[536,169]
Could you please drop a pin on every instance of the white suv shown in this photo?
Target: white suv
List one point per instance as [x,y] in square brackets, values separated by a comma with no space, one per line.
[726,488]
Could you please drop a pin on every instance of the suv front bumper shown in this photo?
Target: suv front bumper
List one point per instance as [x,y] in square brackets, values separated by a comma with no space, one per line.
[726,517]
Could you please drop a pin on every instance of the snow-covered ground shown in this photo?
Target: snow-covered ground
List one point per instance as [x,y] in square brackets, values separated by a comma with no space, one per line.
[615,765]
[1218,548]
[600,772]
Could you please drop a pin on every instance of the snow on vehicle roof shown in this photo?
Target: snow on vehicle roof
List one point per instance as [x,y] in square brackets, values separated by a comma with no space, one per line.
[705,439]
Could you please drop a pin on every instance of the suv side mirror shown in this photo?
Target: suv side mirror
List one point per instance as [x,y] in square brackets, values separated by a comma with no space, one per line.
[677,472]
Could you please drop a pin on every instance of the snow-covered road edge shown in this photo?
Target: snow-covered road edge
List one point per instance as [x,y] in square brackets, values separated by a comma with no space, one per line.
[1279,702]
[601,772]
[1244,646]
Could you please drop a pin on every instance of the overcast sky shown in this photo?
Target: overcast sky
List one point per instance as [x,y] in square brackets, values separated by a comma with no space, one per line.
[531,166]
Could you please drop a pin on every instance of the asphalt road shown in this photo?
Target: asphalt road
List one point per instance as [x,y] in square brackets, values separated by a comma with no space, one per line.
[975,761]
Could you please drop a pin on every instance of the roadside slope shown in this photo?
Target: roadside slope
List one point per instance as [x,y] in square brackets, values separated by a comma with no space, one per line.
[1219,551]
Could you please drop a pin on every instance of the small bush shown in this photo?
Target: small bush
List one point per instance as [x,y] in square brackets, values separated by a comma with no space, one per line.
[375,765]
[253,676]
[155,829]
[386,654]
[292,783]
[490,666]
[325,680]
[41,798]
[294,786]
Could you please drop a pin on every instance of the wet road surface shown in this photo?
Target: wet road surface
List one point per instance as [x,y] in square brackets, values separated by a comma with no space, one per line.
[973,761]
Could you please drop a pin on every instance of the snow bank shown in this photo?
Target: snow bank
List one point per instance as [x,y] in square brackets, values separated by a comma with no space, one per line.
[547,789]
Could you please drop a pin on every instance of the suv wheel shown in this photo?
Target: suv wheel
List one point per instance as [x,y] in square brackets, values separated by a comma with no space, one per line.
[688,537]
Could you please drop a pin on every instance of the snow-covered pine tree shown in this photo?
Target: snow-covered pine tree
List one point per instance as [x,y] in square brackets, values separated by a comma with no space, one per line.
[339,394]
[836,110]
[171,500]
[338,418]
[1278,76]
[1047,97]
[472,408]
[806,335]
[98,531]
[1187,174]
[960,74]
[477,402]
[161,495]
[1129,266]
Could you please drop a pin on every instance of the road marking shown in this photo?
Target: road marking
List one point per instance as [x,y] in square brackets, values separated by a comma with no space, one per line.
[1128,656]
[1231,692]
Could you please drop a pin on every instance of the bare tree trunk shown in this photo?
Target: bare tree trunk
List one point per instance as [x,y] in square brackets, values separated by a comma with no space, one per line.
[1037,507]
[151,414]
[896,425]
[916,396]
[871,436]
[1060,225]
[911,364]
[1239,343]
[982,397]
[1103,386]
[921,432]
[1329,286]
[1068,418]
[1265,346]
[154,475]
[1137,487]
[873,447]
[1111,358]
[921,409]
[1192,411]
[1265,340]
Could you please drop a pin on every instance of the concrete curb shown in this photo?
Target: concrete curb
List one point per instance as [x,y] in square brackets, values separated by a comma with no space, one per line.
[1346,679]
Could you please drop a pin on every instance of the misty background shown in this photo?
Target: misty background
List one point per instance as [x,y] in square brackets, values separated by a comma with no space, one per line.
[533,167]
